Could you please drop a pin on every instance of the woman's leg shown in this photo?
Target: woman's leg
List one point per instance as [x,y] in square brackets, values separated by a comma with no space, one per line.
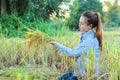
[68,76]
[65,76]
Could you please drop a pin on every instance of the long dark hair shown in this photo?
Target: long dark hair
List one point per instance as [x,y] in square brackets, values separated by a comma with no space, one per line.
[94,19]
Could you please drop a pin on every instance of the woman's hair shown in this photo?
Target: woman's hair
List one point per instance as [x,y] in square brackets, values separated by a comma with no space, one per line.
[95,20]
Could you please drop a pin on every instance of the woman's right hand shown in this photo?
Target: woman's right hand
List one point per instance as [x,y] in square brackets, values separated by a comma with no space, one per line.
[52,42]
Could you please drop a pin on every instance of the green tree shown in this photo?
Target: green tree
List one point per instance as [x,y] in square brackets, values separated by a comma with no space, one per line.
[79,6]
[17,16]
[39,8]
[112,16]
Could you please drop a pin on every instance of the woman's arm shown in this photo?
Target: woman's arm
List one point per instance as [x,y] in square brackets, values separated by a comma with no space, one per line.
[77,51]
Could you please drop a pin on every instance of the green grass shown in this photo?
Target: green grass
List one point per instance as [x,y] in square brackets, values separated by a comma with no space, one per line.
[48,63]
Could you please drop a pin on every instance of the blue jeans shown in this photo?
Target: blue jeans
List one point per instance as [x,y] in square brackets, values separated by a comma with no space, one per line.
[68,76]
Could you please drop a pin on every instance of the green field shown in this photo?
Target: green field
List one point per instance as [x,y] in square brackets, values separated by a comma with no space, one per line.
[48,63]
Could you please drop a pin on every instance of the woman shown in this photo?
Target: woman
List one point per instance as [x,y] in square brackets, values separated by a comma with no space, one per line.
[90,26]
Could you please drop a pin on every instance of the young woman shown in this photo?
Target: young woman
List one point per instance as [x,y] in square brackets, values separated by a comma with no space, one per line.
[91,37]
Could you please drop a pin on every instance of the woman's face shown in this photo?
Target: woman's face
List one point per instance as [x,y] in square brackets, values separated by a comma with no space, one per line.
[83,26]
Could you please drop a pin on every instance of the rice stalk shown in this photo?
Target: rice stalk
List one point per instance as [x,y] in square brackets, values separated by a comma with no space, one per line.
[91,63]
[37,40]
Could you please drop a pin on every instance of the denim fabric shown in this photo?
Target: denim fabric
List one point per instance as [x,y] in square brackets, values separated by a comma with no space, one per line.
[68,76]
[87,41]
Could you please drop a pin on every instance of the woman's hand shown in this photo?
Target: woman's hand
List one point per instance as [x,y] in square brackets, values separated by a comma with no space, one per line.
[52,42]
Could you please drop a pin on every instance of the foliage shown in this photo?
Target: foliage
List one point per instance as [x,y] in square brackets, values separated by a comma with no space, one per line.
[30,14]
[112,15]
[14,26]
[43,8]
[17,7]
[40,8]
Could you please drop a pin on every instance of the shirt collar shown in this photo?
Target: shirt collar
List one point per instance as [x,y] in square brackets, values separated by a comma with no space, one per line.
[89,33]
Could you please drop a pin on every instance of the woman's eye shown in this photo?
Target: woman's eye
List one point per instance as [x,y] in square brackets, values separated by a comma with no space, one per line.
[82,24]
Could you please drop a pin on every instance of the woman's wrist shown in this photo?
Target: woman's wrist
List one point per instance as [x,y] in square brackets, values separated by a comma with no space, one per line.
[52,42]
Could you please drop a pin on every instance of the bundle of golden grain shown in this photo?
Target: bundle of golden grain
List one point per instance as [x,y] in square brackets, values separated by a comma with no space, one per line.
[37,38]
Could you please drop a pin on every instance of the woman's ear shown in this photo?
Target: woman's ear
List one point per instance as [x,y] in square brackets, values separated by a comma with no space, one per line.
[90,26]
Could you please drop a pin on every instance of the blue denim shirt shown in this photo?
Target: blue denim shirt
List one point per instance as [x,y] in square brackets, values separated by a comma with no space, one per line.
[88,41]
